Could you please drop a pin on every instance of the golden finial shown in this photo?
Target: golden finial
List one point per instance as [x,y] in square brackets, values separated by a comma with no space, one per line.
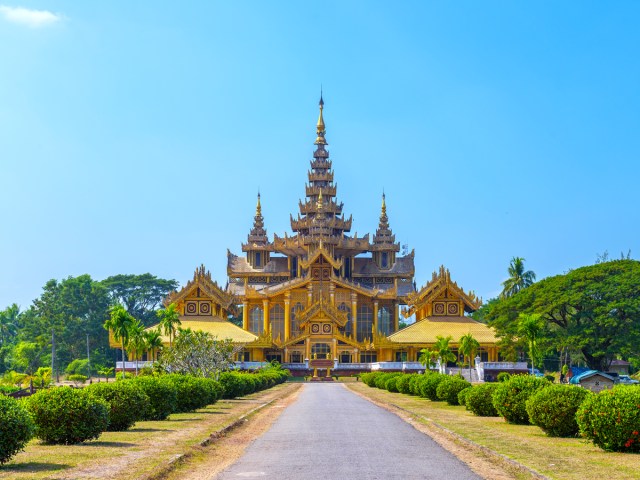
[384,204]
[319,203]
[258,207]
[320,128]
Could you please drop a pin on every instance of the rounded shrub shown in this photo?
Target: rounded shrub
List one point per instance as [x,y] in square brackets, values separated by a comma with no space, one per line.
[191,392]
[479,400]
[462,395]
[429,386]
[381,380]
[503,376]
[162,395]
[66,415]
[611,419]
[127,403]
[510,397]
[392,384]
[403,383]
[449,388]
[16,429]
[554,408]
[232,384]
[415,384]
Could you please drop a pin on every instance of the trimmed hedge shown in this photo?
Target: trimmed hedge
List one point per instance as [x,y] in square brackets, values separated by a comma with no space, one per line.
[194,392]
[462,396]
[479,400]
[381,380]
[67,415]
[127,403]
[16,428]
[429,386]
[503,376]
[554,408]
[415,384]
[510,397]
[392,384]
[162,394]
[403,383]
[449,388]
[611,419]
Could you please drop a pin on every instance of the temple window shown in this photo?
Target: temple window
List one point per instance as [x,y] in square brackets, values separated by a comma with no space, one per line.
[320,349]
[384,321]
[295,325]
[348,328]
[276,316]
[385,260]
[345,357]
[258,259]
[256,324]
[365,322]
[368,357]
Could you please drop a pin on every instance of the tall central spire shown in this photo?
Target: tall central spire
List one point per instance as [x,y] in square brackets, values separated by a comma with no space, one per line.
[320,128]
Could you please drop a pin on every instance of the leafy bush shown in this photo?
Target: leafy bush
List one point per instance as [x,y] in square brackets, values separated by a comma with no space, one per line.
[403,383]
[381,380]
[162,395]
[462,395]
[370,378]
[77,366]
[391,384]
[510,397]
[503,376]
[429,386]
[232,384]
[479,400]
[68,415]
[611,419]
[127,403]
[449,388]
[415,384]
[77,379]
[6,389]
[554,408]
[194,392]
[17,428]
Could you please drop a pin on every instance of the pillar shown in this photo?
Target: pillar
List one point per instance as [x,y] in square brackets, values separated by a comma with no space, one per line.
[354,314]
[309,295]
[334,349]
[265,314]
[245,315]
[287,316]
[307,348]
[375,316]
[396,316]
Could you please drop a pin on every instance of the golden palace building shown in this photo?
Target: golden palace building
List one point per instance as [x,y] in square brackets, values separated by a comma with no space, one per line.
[319,292]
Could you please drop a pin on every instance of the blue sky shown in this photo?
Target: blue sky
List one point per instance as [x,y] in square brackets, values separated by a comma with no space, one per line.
[134,136]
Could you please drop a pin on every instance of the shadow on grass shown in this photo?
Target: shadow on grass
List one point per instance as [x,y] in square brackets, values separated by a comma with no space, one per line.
[149,430]
[33,467]
[108,444]
[184,419]
[213,413]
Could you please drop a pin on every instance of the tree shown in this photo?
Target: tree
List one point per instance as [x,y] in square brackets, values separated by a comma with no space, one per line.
[119,323]
[593,309]
[137,341]
[530,326]
[27,356]
[153,341]
[518,278]
[443,351]
[139,294]
[468,347]
[8,324]
[169,320]
[427,358]
[199,353]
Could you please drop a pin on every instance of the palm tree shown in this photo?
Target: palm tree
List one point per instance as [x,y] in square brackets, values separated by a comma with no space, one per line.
[443,352]
[426,358]
[518,278]
[468,347]
[119,323]
[137,341]
[8,323]
[530,327]
[153,340]
[169,319]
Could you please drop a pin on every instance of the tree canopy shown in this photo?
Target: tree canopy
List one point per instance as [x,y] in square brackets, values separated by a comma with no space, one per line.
[593,310]
[518,278]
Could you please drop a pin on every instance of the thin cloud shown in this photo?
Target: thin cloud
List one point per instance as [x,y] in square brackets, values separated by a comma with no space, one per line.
[28,17]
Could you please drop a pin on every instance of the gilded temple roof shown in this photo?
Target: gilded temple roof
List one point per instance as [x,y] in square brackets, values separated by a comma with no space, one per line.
[426,331]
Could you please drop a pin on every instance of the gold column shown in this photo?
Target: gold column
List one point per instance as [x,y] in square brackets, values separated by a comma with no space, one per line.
[332,294]
[375,316]
[287,316]
[334,348]
[354,314]
[307,348]
[245,315]
[309,295]
[265,314]
[396,316]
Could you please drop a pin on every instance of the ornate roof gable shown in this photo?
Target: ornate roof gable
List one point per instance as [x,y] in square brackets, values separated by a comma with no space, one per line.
[202,279]
[441,286]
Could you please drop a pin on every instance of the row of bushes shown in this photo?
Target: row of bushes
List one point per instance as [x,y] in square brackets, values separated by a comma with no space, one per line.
[65,415]
[610,419]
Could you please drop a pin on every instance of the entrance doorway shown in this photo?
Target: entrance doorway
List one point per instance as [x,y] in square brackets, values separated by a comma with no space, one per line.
[320,350]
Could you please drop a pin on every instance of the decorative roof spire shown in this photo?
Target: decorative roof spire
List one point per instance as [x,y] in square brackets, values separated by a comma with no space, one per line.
[258,207]
[258,234]
[320,128]
[384,235]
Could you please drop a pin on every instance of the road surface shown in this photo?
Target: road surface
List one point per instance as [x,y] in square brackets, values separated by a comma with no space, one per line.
[330,433]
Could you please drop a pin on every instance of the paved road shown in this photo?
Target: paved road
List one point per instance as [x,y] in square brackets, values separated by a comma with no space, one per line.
[330,433]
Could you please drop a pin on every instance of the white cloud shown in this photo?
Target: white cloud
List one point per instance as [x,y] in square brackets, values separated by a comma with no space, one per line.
[30,18]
